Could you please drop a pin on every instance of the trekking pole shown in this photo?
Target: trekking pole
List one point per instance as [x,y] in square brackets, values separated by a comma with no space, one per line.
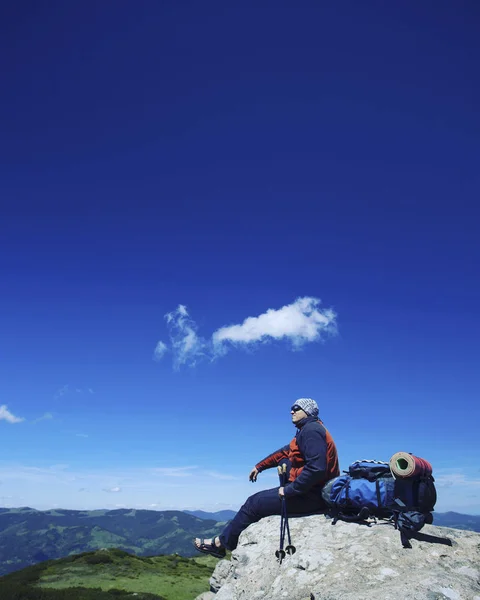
[280,553]
[284,526]
[290,549]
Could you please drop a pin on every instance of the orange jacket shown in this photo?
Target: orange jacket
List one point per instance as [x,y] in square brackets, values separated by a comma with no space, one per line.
[312,455]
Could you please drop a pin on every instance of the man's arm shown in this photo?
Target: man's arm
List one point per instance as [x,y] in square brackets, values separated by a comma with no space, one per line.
[313,446]
[268,462]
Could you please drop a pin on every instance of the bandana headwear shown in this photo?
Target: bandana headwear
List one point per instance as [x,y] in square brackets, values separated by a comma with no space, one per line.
[308,405]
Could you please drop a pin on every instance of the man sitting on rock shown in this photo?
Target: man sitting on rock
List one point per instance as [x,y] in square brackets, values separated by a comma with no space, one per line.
[311,460]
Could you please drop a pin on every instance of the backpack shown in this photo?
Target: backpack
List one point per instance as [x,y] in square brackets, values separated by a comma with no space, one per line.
[369,490]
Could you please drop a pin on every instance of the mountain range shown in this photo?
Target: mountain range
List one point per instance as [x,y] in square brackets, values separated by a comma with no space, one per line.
[457,521]
[221,515]
[29,536]
[447,519]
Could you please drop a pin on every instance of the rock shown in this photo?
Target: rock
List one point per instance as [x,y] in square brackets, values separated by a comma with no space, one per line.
[221,573]
[206,596]
[349,561]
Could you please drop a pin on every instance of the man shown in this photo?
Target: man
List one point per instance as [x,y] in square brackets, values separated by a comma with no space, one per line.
[311,459]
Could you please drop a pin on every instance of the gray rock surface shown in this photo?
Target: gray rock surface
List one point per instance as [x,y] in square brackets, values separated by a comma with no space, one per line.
[349,561]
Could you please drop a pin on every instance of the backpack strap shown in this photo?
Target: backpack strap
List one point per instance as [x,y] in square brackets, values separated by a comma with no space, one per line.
[361,517]
[401,521]
[379,497]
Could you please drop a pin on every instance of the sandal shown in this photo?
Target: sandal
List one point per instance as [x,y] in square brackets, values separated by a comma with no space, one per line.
[208,546]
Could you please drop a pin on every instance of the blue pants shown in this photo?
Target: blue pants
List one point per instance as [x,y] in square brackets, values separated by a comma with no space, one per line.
[265,504]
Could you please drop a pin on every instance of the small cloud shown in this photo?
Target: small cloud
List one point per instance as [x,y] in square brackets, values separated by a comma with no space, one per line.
[66,389]
[186,344]
[61,392]
[46,417]
[82,490]
[114,490]
[6,415]
[159,351]
[82,435]
[457,480]
[444,484]
[222,476]
[173,471]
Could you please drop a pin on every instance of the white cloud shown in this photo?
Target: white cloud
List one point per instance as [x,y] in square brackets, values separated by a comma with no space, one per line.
[186,345]
[173,471]
[160,349]
[46,417]
[222,476]
[83,435]
[457,480]
[188,487]
[6,415]
[139,485]
[457,491]
[301,322]
[59,467]
[66,389]
[61,392]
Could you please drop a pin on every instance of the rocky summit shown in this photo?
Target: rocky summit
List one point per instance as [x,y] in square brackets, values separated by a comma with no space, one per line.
[349,561]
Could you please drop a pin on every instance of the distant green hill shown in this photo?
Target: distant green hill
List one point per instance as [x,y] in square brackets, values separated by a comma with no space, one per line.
[221,515]
[457,521]
[29,536]
[105,574]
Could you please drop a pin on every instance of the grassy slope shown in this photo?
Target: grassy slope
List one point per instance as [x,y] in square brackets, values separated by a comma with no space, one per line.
[175,578]
[28,536]
[169,577]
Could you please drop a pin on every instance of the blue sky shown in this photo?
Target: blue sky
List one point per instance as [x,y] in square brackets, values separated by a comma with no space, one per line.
[211,210]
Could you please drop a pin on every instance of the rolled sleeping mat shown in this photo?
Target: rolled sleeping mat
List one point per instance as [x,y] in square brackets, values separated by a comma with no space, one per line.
[404,464]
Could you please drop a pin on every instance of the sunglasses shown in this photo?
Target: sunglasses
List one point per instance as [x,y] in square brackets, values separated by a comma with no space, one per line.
[296,408]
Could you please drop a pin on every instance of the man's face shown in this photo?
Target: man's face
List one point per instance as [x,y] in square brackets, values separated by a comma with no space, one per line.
[297,413]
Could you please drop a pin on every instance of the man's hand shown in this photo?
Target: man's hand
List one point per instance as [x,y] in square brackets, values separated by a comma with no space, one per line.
[253,475]
[281,492]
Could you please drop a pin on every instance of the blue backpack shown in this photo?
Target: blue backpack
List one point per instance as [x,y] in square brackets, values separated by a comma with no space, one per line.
[369,490]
